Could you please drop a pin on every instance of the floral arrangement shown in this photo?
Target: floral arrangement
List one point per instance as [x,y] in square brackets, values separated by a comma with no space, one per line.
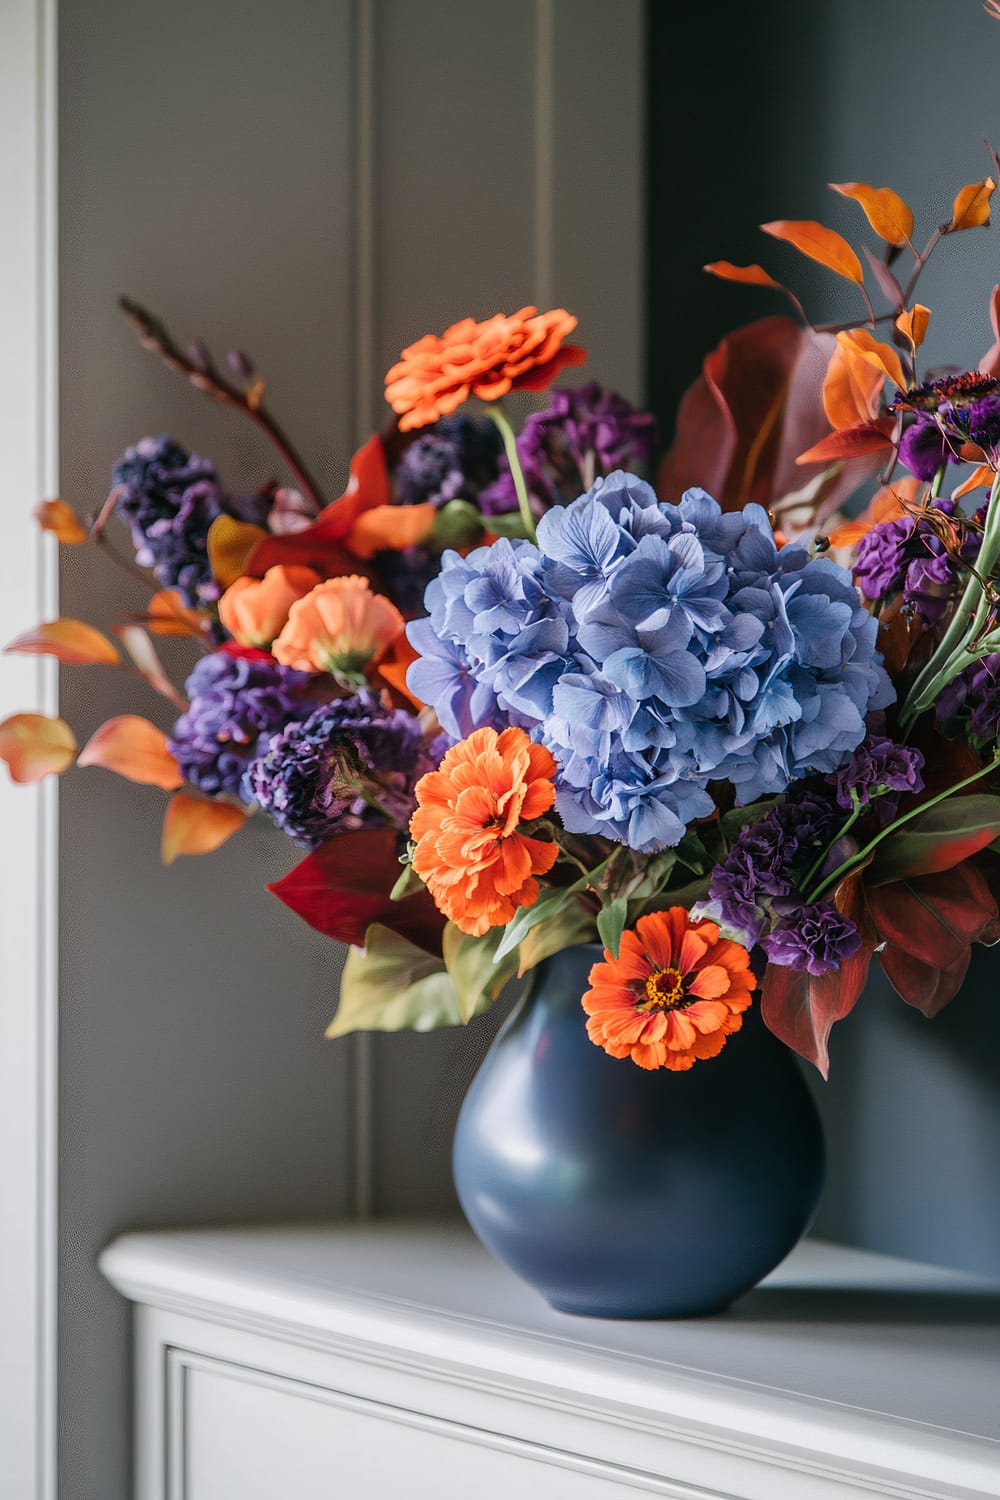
[510,697]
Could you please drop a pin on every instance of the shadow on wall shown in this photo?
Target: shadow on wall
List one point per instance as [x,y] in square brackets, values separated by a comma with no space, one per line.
[747,123]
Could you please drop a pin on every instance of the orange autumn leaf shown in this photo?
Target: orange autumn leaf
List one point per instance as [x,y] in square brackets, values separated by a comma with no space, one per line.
[971,208]
[71,642]
[167,614]
[824,245]
[981,476]
[193,825]
[913,323]
[747,275]
[58,518]
[390,528]
[230,543]
[33,745]
[143,653]
[887,504]
[882,356]
[851,388]
[134,748]
[393,669]
[852,442]
[886,212]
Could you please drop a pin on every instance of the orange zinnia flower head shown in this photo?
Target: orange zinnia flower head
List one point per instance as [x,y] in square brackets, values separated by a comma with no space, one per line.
[340,626]
[470,852]
[254,610]
[435,375]
[673,995]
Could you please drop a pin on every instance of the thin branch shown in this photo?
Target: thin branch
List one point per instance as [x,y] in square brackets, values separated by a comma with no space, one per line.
[203,374]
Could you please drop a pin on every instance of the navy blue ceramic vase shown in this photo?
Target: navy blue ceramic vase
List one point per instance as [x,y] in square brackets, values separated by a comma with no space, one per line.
[621,1193]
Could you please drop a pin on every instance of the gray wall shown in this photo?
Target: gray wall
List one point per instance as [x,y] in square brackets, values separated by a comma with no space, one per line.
[318,182]
[790,98]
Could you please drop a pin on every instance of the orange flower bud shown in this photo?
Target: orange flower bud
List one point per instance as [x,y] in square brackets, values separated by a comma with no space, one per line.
[340,627]
[254,610]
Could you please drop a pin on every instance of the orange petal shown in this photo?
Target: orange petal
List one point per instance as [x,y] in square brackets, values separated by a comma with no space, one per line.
[971,208]
[34,746]
[58,517]
[193,825]
[134,748]
[390,528]
[886,212]
[820,244]
[882,356]
[72,642]
[851,388]
[849,534]
[981,476]
[230,543]
[913,323]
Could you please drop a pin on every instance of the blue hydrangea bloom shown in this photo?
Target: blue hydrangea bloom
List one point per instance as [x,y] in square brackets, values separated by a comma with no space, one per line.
[654,649]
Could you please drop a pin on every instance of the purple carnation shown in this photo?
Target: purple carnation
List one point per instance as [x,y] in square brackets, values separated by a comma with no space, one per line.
[352,764]
[878,765]
[814,939]
[455,459]
[233,700]
[909,556]
[170,498]
[761,865]
[587,432]
[924,448]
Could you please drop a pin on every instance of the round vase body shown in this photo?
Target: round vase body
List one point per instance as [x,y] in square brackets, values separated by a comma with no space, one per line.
[622,1193]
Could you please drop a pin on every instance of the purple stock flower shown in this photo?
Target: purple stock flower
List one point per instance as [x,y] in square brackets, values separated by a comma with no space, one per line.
[170,498]
[813,939]
[352,764]
[878,765]
[586,432]
[233,700]
[455,459]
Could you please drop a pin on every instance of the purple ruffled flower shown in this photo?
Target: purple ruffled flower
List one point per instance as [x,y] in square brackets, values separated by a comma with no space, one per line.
[233,701]
[585,433]
[877,765]
[455,459]
[974,695]
[352,764]
[170,498]
[924,448]
[909,557]
[814,939]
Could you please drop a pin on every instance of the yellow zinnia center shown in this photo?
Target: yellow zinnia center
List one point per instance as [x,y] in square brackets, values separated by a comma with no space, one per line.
[664,990]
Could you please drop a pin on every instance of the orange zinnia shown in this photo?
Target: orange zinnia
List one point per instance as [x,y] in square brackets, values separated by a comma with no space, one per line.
[435,375]
[673,995]
[340,626]
[470,853]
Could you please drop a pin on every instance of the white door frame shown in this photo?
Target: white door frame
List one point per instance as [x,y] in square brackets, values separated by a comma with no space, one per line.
[28,891]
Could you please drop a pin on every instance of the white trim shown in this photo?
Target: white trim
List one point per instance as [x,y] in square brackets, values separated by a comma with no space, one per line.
[28,817]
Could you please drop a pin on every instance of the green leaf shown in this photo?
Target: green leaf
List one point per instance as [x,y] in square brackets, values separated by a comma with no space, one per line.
[457,524]
[738,817]
[549,904]
[654,876]
[511,524]
[571,927]
[938,839]
[476,978]
[611,922]
[392,984]
[692,853]
[408,884]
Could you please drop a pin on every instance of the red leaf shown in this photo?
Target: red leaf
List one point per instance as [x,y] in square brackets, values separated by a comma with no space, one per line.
[851,442]
[323,544]
[801,1009]
[990,362]
[344,886]
[927,925]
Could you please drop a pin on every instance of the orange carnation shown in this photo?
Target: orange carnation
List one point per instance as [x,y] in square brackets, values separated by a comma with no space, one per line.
[435,375]
[254,610]
[340,626]
[470,853]
[673,995]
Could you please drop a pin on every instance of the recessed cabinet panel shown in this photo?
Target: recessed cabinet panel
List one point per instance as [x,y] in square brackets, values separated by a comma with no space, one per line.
[249,1435]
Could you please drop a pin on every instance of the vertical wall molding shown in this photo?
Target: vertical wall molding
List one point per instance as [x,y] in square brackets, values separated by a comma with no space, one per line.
[545,157]
[28,592]
[364,422]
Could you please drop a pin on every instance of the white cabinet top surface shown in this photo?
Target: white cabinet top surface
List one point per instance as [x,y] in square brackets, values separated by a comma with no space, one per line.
[832,1334]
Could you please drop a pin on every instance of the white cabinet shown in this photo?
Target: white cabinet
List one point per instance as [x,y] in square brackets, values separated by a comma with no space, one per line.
[369,1361]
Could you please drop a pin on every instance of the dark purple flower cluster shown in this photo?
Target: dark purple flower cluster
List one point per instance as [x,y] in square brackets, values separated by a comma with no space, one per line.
[813,938]
[925,448]
[352,764]
[233,701]
[949,412]
[909,556]
[879,768]
[455,460]
[974,695]
[587,432]
[170,498]
[764,860]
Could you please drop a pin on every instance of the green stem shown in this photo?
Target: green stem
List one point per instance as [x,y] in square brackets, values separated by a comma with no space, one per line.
[848,825]
[965,622]
[862,854]
[499,416]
